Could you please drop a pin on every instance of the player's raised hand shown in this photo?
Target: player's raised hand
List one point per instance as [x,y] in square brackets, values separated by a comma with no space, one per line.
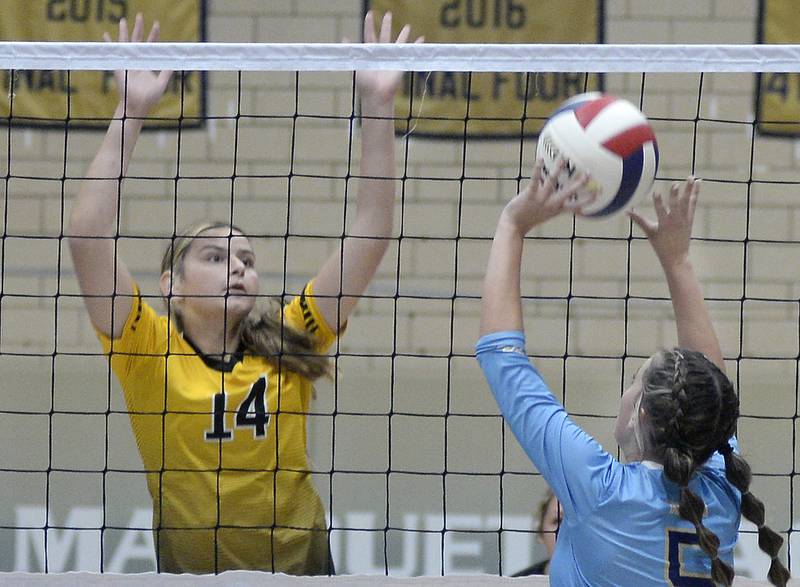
[541,199]
[140,90]
[671,232]
[376,84]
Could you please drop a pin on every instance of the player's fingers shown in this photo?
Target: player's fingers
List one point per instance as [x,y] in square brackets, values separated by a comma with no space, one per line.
[402,37]
[658,204]
[578,204]
[106,37]
[386,28]
[679,202]
[674,194]
[568,197]
[648,226]
[696,189]
[538,166]
[584,199]
[369,27]
[123,30]
[686,190]
[536,177]
[163,79]
[692,199]
[155,33]
[550,181]
[420,39]
[138,27]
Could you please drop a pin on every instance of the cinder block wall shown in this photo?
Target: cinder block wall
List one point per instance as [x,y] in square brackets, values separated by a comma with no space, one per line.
[408,397]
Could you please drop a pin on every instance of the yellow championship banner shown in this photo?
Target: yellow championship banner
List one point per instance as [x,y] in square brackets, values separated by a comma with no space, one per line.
[88,98]
[493,104]
[778,94]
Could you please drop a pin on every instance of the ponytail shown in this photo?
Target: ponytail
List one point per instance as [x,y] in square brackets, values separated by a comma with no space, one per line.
[269,336]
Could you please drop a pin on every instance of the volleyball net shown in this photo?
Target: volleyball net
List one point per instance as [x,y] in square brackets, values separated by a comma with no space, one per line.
[417,472]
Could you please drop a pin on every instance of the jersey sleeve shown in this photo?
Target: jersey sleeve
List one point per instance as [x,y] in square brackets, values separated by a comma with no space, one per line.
[302,313]
[572,462]
[137,356]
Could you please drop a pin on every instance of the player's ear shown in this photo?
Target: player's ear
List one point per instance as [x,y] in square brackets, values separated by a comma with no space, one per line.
[166,284]
[644,424]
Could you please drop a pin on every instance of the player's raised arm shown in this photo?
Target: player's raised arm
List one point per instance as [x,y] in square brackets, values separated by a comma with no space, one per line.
[347,272]
[104,280]
[536,203]
[670,235]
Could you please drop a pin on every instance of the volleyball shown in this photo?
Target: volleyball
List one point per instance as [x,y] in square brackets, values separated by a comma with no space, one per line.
[607,137]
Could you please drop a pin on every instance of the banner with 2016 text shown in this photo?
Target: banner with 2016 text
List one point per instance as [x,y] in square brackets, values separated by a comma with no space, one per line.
[88,98]
[495,104]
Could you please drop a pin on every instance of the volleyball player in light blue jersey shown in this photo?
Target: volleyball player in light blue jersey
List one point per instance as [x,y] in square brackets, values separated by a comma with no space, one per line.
[671,514]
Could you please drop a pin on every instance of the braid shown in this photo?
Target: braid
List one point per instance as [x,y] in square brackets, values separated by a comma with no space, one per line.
[692,410]
[738,472]
[680,465]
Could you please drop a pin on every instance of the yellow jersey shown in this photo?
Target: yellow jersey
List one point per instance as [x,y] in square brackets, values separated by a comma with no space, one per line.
[225,448]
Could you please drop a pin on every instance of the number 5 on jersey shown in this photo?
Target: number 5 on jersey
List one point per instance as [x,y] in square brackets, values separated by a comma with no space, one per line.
[251,412]
[677,540]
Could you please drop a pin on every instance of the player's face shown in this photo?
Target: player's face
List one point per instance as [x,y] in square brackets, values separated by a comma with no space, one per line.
[628,414]
[550,524]
[218,276]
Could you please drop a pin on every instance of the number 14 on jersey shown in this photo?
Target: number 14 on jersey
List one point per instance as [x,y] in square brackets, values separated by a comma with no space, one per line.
[251,413]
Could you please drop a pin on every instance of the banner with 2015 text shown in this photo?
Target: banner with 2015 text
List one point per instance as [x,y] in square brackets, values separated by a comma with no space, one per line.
[88,98]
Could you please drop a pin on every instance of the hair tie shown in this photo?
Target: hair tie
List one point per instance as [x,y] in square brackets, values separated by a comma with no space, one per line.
[725,449]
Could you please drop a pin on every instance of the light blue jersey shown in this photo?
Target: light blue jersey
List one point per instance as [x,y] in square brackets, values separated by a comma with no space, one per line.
[620,525]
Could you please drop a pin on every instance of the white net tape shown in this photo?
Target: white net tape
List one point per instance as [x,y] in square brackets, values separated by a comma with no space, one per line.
[425,57]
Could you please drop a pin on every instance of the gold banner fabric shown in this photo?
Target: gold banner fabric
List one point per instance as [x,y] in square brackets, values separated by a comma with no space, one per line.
[88,98]
[495,104]
[778,95]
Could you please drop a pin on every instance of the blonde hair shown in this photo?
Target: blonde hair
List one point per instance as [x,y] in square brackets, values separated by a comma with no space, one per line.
[262,332]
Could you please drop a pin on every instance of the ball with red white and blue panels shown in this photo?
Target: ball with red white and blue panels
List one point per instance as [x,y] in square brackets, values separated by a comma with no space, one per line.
[610,139]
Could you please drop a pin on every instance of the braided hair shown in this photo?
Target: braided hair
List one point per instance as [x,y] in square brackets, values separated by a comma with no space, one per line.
[692,410]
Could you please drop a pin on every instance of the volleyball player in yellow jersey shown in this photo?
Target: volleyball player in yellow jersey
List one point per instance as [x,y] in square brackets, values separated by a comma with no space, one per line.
[218,393]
